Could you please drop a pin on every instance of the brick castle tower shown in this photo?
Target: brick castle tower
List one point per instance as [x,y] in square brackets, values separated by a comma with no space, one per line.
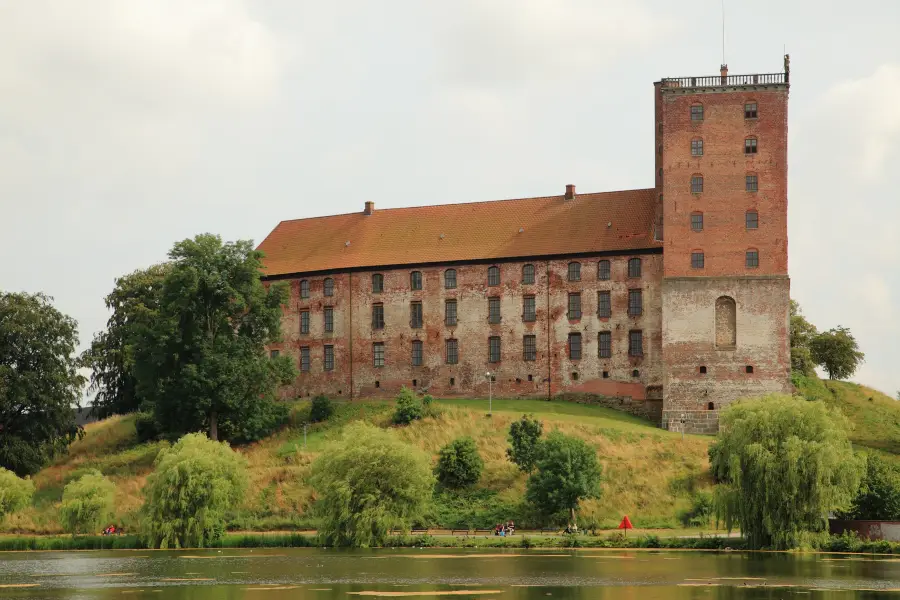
[721,180]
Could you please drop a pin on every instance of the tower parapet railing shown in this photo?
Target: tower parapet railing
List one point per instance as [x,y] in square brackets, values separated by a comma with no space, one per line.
[725,80]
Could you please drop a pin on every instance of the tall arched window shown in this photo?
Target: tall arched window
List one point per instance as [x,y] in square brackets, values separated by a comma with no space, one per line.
[494,275]
[328,287]
[528,274]
[726,323]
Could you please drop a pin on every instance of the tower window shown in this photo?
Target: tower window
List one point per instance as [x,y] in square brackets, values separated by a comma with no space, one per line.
[711,406]
[529,348]
[750,146]
[750,110]
[494,349]
[378,354]
[751,183]
[450,313]
[603,270]
[696,147]
[726,323]
[377,283]
[528,274]
[417,352]
[574,346]
[636,343]
[703,370]
[604,343]
[415,280]
[494,309]
[452,353]
[493,275]
[634,267]
[574,271]
[635,373]
[752,259]
[697,221]
[696,112]
[697,184]
[328,287]
[378,316]
[752,219]
[415,315]
[450,279]
[749,369]
[697,260]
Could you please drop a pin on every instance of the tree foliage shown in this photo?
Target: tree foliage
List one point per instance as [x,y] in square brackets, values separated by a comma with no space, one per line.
[321,410]
[134,303]
[87,503]
[524,439]
[39,382]
[15,492]
[409,408]
[459,464]
[784,464]
[202,364]
[837,351]
[367,484]
[194,482]
[879,495]
[567,473]
[801,333]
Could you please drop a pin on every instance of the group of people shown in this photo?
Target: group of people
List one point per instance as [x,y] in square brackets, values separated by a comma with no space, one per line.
[111,530]
[505,530]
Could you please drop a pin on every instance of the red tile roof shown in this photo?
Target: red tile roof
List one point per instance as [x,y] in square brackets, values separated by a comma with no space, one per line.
[458,232]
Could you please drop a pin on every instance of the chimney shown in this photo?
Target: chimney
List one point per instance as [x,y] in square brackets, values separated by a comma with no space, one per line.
[723,71]
[570,192]
[370,208]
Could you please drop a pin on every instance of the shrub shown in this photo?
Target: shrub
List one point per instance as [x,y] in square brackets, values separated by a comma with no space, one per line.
[524,438]
[879,495]
[194,483]
[567,472]
[701,511]
[459,464]
[321,410]
[87,503]
[368,483]
[409,408]
[15,492]
[146,427]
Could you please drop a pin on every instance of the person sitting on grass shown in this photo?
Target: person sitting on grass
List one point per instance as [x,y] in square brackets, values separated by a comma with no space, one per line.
[510,527]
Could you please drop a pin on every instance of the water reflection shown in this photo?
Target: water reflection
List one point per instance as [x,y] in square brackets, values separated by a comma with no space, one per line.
[525,575]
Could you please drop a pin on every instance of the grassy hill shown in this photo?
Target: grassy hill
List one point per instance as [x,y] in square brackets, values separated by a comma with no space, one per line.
[649,474]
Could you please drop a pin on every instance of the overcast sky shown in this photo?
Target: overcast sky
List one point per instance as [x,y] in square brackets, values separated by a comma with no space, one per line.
[128,125]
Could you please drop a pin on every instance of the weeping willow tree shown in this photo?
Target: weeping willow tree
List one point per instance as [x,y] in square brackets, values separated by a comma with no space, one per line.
[784,463]
[194,483]
[15,492]
[87,503]
[368,483]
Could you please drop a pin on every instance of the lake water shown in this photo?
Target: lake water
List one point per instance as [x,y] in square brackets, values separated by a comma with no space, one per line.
[271,574]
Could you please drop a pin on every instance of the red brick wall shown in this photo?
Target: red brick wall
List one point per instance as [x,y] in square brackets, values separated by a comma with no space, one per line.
[353,302]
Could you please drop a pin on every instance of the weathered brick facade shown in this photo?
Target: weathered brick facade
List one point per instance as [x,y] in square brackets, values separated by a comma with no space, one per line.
[686,335]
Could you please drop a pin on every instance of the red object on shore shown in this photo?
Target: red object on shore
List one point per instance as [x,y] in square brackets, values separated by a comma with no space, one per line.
[626,523]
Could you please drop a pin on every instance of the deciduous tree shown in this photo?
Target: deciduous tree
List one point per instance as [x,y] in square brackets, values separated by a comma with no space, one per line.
[368,483]
[87,503]
[879,495]
[784,464]
[39,382]
[801,333]
[524,438]
[459,464]
[567,473]
[15,492]
[194,482]
[203,364]
[837,352]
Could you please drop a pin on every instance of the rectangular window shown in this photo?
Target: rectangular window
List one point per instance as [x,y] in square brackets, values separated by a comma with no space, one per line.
[750,146]
[304,359]
[415,315]
[574,346]
[603,267]
[635,303]
[634,267]
[697,260]
[697,222]
[328,287]
[274,353]
[329,319]
[696,184]
[450,313]
[528,274]
[377,283]
[304,321]
[604,341]
[604,305]
[378,354]
[494,310]
[574,271]
[304,288]
[752,259]
[415,280]
[752,219]
[752,183]
[493,275]
[529,347]
[417,353]
[528,309]
[750,110]
[329,358]
[450,279]
[697,112]
[378,316]
[452,352]
[696,147]
[574,306]
[636,343]
[494,349]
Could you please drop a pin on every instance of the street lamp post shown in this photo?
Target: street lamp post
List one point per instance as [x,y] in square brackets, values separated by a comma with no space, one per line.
[682,427]
[490,379]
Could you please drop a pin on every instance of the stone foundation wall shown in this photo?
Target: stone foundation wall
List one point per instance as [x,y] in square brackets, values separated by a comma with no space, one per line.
[646,409]
[695,421]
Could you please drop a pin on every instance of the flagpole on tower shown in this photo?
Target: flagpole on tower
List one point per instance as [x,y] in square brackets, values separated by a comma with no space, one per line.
[723,32]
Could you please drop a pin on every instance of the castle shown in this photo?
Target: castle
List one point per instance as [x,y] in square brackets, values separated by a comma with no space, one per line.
[669,302]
